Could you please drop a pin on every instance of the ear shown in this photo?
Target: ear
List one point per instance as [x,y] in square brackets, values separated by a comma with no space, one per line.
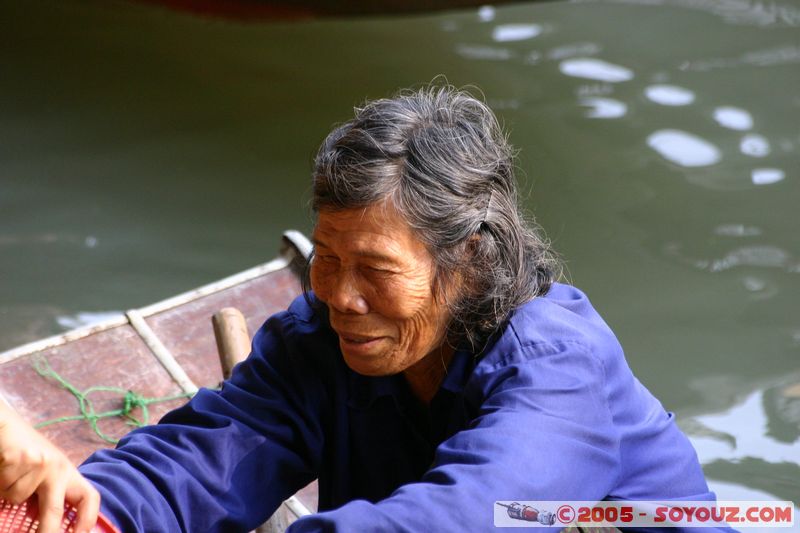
[471,247]
[472,242]
[449,285]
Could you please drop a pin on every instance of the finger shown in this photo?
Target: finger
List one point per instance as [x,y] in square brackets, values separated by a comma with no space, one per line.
[22,488]
[86,500]
[21,472]
[51,505]
[12,468]
[10,474]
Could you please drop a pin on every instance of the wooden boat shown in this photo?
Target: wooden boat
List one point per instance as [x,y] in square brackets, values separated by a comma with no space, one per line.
[165,349]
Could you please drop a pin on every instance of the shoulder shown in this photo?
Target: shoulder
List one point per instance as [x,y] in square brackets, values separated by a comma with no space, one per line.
[300,336]
[561,320]
[556,342]
[304,320]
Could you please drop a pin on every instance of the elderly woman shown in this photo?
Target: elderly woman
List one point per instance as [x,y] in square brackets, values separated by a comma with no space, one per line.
[434,366]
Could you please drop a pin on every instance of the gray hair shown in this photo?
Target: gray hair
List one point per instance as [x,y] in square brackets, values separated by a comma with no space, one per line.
[440,157]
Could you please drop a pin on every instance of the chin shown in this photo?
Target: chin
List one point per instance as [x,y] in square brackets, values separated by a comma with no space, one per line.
[359,366]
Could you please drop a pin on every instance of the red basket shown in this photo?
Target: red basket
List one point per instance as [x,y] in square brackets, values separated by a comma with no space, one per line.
[24,517]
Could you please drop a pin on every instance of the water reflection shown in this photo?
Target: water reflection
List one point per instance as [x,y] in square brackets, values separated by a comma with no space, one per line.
[737,230]
[515,32]
[484,52]
[784,55]
[670,95]
[758,286]
[758,255]
[88,241]
[733,118]
[604,107]
[533,57]
[486,13]
[744,430]
[736,491]
[735,177]
[689,151]
[86,318]
[764,256]
[767,176]
[595,69]
[754,145]
[737,13]
[573,50]
[758,437]
[683,148]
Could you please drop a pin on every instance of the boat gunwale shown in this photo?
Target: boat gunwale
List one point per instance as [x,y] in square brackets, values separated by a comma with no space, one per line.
[296,245]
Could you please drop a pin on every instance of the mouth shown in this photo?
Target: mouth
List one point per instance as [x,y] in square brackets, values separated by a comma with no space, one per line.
[358,343]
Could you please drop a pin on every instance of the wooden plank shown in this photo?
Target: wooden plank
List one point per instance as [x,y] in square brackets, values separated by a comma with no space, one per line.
[161,352]
[216,286]
[187,332]
[63,338]
[116,357]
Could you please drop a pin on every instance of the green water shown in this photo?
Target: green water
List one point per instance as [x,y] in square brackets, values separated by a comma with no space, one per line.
[144,152]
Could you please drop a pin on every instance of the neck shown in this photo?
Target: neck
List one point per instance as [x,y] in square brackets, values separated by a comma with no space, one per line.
[427,374]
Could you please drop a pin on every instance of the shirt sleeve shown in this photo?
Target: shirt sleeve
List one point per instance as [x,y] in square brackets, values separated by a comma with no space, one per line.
[227,459]
[543,431]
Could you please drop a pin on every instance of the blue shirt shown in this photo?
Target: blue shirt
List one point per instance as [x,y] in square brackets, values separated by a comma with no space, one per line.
[549,411]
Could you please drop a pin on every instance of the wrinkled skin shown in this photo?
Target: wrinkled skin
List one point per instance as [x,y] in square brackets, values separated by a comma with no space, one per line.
[376,277]
[30,464]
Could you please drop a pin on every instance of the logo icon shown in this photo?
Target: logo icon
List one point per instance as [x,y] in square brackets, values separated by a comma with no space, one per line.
[527,513]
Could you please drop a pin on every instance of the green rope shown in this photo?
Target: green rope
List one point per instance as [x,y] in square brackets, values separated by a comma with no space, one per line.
[130,401]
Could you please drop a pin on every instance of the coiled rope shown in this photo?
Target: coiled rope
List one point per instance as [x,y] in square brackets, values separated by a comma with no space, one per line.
[130,401]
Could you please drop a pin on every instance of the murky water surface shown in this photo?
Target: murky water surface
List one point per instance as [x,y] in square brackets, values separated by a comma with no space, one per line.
[144,152]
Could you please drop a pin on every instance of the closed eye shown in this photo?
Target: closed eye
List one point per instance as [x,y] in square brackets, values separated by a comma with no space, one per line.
[379,271]
[325,259]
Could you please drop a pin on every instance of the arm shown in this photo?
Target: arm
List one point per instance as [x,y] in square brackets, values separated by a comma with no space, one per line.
[227,459]
[543,431]
[30,464]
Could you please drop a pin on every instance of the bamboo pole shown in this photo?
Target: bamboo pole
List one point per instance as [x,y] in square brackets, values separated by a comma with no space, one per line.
[233,345]
[233,339]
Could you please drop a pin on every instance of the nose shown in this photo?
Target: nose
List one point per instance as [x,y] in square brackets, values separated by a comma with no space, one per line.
[345,295]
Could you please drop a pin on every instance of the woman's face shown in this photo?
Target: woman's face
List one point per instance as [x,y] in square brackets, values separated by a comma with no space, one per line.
[376,278]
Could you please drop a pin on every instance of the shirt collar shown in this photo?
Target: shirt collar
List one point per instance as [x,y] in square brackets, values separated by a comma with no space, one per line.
[364,390]
[458,371]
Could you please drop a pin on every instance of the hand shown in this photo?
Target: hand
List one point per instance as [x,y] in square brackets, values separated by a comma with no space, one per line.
[30,464]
